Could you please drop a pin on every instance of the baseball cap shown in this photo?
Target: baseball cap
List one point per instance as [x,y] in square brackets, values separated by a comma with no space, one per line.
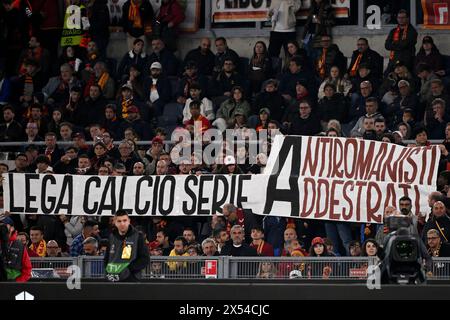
[399,133]
[229,160]
[427,39]
[157,140]
[77,135]
[266,110]
[126,87]
[156,65]
[7,220]
[154,245]
[133,109]
[317,240]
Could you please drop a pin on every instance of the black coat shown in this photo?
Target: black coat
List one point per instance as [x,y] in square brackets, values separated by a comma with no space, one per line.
[305,127]
[288,82]
[394,112]
[272,100]
[142,259]
[224,84]
[185,80]
[146,12]
[53,228]
[220,58]
[204,62]
[131,58]
[444,250]
[164,89]
[333,108]
[55,155]
[99,20]
[404,50]
[115,127]
[143,129]
[63,168]
[444,223]
[243,251]
[168,61]
[334,57]
[434,59]
[92,111]
[14,132]
[370,58]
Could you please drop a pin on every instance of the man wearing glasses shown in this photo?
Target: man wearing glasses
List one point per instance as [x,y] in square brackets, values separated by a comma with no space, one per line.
[435,246]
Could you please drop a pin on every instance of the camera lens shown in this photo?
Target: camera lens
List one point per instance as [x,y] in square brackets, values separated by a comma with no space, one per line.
[404,249]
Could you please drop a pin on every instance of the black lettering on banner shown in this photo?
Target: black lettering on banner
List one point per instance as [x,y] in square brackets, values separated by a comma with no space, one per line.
[155,194]
[233,188]
[292,194]
[202,200]
[189,211]
[29,198]
[52,200]
[172,181]
[137,201]
[86,208]
[245,4]
[67,185]
[110,184]
[12,207]
[241,199]
[216,206]
[122,192]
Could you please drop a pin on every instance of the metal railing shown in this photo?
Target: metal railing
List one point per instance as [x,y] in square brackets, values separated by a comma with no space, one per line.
[233,268]
[308,268]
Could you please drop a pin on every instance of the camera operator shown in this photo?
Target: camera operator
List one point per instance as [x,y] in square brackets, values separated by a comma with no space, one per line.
[405,253]
[15,264]
[405,206]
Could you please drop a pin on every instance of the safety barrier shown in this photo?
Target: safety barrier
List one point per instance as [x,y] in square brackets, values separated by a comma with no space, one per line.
[235,268]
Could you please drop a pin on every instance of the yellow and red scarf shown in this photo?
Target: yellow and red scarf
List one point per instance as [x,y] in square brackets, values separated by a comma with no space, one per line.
[396,38]
[125,105]
[103,80]
[40,249]
[134,15]
[322,65]
[356,65]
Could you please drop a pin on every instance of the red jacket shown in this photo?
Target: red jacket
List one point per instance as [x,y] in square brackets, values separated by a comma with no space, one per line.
[264,249]
[171,12]
[205,123]
[26,263]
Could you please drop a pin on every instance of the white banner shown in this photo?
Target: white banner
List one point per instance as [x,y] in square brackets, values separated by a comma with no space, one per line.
[306,177]
[257,10]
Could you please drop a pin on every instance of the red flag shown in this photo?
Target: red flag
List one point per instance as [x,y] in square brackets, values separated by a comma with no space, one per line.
[436,14]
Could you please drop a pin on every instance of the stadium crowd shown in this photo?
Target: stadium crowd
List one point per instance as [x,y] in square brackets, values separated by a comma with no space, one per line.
[77,94]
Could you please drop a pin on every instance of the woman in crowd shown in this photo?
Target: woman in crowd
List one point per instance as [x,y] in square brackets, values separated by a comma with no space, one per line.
[260,67]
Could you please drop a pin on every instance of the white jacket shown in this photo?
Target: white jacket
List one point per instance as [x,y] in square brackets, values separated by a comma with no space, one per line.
[206,110]
[283,14]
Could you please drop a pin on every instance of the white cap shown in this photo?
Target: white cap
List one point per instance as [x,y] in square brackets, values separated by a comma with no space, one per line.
[399,133]
[156,65]
[295,274]
[229,160]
